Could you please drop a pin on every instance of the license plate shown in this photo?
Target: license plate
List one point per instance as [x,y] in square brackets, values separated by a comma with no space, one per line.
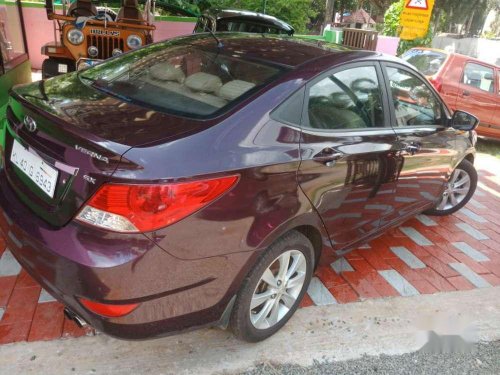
[38,171]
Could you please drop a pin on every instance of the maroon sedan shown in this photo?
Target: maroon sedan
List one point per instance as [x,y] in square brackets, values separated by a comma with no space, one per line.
[197,181]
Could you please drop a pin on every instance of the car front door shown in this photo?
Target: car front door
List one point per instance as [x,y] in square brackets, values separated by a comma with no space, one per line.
[426,142]
[349,152]
[476,93]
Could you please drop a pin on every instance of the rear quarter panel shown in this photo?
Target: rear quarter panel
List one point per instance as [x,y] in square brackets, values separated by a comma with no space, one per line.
[266,201]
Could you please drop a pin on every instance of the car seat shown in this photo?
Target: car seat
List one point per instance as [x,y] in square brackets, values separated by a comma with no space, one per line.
[490,87]
[129,12]
[474,79]
[82,8]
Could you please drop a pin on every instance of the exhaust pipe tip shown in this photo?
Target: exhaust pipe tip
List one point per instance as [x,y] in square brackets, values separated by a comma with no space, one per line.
[74,317]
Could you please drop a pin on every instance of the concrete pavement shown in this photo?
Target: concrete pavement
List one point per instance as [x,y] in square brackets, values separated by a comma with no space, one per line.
[324,333]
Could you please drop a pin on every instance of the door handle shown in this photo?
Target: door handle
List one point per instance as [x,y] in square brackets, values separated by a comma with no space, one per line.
[466,93]
[328,156]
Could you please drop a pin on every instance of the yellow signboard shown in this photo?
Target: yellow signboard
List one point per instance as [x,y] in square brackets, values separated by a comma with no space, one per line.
[415,19]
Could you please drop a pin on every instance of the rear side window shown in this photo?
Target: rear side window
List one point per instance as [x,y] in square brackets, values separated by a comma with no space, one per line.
[479,76]
[290,111]
[414,102]
[427,62]
[183,80]
[349,99]
[245,26]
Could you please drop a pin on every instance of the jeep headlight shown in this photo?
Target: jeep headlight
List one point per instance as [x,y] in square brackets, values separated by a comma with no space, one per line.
[75,36]
[134,41]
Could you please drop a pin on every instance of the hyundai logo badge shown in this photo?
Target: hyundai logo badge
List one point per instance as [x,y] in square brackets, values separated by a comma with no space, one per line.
[29,124]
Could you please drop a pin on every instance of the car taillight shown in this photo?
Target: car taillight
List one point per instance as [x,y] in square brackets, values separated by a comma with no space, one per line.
[437,83]
[144,208]
[104,309]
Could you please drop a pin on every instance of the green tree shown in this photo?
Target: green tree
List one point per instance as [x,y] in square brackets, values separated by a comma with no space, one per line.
[391,19]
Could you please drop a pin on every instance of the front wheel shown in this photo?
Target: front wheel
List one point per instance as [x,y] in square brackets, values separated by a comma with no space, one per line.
[458,191]
[272,291]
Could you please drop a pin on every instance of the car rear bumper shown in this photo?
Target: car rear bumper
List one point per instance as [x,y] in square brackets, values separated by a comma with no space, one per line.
[69,262]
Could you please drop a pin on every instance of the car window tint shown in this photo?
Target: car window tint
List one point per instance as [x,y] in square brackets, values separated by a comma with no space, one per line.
[350,99]
[414,102]
[244,26]
[291,110]
[183,80]
[479,76]
[428,62]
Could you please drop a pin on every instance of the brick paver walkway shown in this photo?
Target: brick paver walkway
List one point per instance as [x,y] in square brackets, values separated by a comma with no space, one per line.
[425,255]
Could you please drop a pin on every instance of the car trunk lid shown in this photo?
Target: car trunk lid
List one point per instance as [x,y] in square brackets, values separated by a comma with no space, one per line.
[74,139]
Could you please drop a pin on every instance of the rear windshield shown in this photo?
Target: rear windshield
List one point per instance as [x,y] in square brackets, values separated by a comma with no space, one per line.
[184,80]
[427,62]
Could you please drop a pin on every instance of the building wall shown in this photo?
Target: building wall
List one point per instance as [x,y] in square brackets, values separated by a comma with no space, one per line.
[487,50]
[19,74]
[40,30]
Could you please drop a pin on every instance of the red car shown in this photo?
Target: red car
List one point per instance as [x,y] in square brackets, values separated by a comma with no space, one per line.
[464,82]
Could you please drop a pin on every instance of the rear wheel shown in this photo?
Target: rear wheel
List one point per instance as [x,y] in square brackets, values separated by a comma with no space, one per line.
[458,191]
[272,292]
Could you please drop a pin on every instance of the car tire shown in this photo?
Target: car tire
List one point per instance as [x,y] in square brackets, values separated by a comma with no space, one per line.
[260,322]
[465,168]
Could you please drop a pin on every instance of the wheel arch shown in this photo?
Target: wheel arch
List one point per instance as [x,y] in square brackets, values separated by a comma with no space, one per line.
[470,157]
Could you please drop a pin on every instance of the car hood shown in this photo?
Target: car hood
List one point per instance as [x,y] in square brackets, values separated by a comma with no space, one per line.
[88,111]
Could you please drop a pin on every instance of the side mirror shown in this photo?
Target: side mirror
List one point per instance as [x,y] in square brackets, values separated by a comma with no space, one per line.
[464,121]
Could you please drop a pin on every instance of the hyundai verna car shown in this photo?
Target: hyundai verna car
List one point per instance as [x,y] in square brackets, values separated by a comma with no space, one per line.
[193,183]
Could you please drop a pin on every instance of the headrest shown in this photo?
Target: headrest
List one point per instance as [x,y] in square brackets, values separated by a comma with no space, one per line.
[474,76]
[130,3]
[167,72]
[234,89]
[488,76]
[203,82]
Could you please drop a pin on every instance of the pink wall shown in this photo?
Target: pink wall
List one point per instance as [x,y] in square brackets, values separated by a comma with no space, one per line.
[388,44]
[40,31]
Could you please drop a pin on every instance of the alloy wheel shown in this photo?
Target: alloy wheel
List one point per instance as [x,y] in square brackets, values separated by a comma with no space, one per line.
[456,190]
[278,289]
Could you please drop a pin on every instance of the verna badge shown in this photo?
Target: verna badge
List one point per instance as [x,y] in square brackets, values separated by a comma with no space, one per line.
[29,124]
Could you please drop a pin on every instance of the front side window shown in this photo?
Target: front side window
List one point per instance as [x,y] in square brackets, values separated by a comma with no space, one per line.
[11,35]
[350,99]
[479,76]
[184,80]
[414,102]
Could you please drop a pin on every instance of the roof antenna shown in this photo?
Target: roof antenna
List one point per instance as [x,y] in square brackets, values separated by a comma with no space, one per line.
[220,45]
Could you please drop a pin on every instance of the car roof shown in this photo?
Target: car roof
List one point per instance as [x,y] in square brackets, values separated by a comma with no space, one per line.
[286,51]
[246,14]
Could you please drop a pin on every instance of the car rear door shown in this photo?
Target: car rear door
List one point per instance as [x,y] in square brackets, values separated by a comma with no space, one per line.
[476,93]
[348,149]
[426,143]
[495,124]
